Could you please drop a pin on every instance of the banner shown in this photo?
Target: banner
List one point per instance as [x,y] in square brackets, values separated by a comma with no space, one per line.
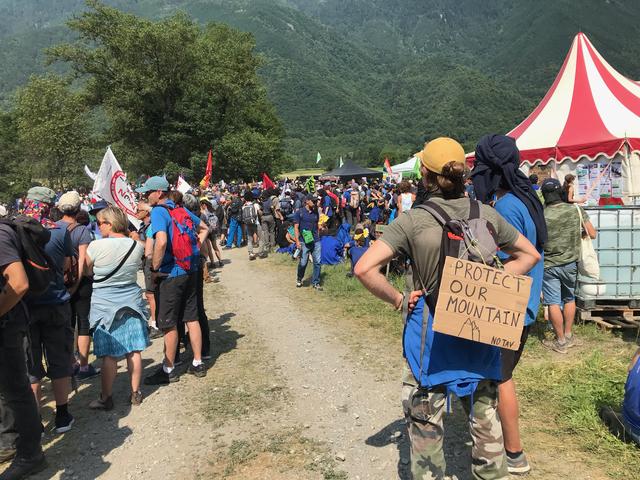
[387,166]
[182,186]
[267,183]
[318,158]
[204,183]
[111,185]
[89,173]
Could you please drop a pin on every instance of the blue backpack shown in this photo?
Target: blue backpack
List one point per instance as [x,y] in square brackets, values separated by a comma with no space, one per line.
[439,359]
[631,404]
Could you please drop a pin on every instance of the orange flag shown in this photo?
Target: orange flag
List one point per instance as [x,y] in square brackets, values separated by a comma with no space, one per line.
[204,183]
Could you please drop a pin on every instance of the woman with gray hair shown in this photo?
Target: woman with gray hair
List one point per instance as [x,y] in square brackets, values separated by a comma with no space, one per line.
[118,316]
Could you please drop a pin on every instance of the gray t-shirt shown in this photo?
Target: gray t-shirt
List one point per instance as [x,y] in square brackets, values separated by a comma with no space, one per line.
[80,235]
[418,235]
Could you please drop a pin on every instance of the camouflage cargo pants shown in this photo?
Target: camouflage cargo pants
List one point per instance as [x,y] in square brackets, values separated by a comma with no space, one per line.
[424,412]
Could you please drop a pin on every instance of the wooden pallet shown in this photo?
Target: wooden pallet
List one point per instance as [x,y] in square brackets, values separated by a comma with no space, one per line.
[612,317]
[608,304]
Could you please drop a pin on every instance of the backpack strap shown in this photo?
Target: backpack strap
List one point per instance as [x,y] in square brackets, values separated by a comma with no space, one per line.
[436,211]
[474,209]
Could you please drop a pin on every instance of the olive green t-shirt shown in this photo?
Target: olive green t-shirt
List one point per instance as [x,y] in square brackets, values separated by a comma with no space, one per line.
[417,234]
[564,233]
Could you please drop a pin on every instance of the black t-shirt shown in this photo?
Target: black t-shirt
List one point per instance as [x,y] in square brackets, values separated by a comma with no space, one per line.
[10,252]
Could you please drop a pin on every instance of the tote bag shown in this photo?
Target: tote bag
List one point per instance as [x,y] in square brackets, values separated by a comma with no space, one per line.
[588,265]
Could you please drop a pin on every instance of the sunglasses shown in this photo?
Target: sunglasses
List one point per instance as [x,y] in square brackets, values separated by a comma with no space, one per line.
[100,223]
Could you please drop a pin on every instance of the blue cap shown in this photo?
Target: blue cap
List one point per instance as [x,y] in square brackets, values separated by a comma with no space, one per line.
[153,184]
[99,205]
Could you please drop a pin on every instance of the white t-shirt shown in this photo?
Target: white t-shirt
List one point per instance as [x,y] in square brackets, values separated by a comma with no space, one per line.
[107,253]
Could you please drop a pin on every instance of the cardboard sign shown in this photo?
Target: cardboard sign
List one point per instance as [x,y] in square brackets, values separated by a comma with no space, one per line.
[482,303]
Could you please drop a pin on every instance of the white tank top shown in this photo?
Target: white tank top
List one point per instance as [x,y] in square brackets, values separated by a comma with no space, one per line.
[406,201]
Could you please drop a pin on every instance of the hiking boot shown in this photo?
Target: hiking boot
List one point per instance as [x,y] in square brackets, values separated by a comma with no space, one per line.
[136,398]
[7,454]
[252,257]
[160,377]
[64,422]
[100,404]
[199,371]
[23,467]
[317,287]
[555,345]
[613,421]
[87,374]
[573,341]
[518,465]
[299,283]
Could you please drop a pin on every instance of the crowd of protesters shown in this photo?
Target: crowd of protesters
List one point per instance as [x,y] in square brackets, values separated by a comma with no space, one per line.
[95,254]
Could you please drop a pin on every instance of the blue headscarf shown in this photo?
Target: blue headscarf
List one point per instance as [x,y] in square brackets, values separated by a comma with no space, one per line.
[497,167]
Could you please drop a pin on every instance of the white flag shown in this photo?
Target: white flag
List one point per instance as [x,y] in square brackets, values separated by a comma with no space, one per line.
[341,162]
[89,173]
[182,186]
[111,185]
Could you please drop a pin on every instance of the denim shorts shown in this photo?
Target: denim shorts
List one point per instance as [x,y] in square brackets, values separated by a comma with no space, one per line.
[559,284]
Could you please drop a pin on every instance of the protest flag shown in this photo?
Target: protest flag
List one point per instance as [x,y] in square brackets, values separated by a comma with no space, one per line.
[182,186]
[310,185]
[204,183]
[267,183]
[318,158]
[341,162]
[387,166]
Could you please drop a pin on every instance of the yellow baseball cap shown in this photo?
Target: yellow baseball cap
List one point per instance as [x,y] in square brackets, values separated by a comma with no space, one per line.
[437,153]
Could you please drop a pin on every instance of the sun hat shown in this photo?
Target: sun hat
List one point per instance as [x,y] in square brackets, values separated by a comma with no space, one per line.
[41,194]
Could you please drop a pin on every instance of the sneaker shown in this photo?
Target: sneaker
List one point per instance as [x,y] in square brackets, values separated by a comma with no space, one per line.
[89,373]
[299,283]
[136,398]
[555,345]
[64,422]
[518,465]
[7,454]
[23,467]
[199,371]
[100,404]
[252,257]
[154,333]
[317,287]
[160,377]
[264,255]
[573,341]
[227,247]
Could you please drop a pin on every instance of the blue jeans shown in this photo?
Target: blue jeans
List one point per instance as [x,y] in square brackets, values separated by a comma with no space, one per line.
[316,255]
[235,230]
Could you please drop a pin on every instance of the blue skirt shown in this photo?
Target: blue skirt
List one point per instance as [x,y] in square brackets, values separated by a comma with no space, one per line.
[128,334]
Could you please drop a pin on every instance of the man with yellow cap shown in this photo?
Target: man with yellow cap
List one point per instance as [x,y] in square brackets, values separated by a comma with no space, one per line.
[468,369]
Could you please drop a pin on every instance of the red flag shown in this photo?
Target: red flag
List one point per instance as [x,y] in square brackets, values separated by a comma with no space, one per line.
[267,183]
[387,165]
[204,183]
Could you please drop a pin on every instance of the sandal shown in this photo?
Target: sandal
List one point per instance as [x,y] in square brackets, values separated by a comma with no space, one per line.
[136,398]
[100,404]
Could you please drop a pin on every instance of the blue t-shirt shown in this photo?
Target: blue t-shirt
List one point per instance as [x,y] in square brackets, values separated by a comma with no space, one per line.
[58,248]
[161,222]
[307,220]
[375,214]
[631,403]
[516,214]
[80,235]
[356,252]
[326,203]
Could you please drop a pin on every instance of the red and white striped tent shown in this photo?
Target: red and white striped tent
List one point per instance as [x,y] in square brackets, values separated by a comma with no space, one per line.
[590,113]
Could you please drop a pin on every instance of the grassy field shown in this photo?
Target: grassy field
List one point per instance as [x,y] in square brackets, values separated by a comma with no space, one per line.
[304,172]
[560,395]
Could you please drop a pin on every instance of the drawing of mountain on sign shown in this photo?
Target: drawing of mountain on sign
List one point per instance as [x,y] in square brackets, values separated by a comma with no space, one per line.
[470,330]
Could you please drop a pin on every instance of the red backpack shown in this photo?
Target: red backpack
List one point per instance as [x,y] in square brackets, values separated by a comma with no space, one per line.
[183,236]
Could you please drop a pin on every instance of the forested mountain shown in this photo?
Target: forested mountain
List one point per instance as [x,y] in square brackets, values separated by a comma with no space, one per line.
[374,77]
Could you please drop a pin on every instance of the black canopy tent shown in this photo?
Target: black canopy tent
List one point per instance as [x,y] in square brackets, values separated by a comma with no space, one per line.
[350,170]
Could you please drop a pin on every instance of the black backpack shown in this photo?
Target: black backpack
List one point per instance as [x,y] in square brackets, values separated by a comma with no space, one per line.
[235,207]
[32,237]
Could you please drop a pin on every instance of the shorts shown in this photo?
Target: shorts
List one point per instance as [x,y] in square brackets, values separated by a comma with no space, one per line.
[559,284]
[510,358]
[149,287]
[51,332]
[81,305]
[177,300]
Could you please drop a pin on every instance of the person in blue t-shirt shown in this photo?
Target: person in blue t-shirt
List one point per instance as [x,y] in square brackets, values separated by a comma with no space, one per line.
[50,313]
[497,177]
[175,278]
[305,224]
[356,248]
[627,424]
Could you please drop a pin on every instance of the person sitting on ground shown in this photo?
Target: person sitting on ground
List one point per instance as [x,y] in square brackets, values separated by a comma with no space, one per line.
[561,253]
[627,425]
[118,313]
[357,248]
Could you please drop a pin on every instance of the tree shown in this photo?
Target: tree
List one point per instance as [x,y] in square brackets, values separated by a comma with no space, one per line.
[53,128]
[172,90]
[15,176]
